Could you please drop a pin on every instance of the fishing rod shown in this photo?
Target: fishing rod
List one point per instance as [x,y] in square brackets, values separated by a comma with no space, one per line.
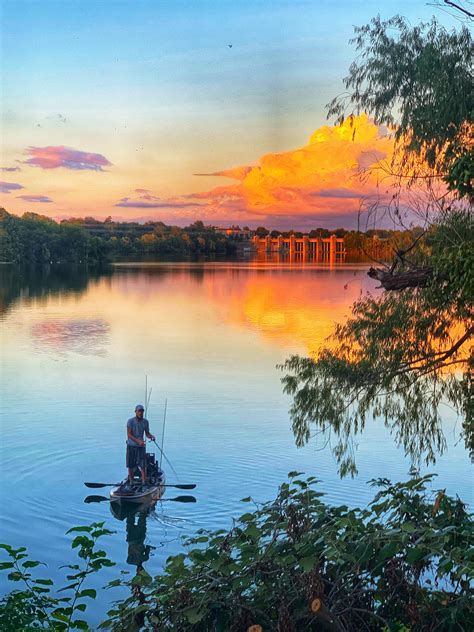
[163,432]
[166,459]
[162,454]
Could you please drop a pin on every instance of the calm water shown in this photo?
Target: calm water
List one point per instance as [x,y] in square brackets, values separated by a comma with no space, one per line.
[75,353]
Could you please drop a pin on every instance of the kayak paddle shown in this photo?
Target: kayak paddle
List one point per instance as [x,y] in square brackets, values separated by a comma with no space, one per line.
[100,485]
[178,499]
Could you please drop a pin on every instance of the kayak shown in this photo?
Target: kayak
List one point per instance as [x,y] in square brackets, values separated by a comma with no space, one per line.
[138,492]
[135,492]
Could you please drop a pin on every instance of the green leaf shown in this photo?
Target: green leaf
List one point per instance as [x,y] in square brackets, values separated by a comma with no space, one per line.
[415,554]
[194,615]
[83,529]
[81,540]
[5,565]
[115,582]
[30,564]
[87,592]
[246,517]
[388,550]
[6,547]
[143,608]
[253,531]
[308,563]
[60,616]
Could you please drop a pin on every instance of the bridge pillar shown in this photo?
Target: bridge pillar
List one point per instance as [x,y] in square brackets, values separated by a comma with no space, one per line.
[332,248]
[268,243]
[292,245]
[280,243]
[317,249]
[305,246]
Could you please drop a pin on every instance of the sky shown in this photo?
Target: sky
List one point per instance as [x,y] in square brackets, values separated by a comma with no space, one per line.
[184,110]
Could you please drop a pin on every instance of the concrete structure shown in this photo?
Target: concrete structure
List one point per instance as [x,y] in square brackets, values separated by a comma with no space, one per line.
[318,248]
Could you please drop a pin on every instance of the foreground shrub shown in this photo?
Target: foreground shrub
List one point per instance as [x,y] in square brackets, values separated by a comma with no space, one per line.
[404,563]
[35,607]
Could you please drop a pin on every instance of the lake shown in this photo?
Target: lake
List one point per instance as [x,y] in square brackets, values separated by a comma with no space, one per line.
[77,348]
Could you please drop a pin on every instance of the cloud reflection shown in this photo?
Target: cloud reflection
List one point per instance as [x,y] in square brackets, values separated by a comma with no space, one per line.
[85,336]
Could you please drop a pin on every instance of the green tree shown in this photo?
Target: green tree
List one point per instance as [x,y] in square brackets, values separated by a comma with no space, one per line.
[405,352]
[417,80]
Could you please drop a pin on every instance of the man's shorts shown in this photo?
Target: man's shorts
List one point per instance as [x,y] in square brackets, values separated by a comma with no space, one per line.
[135,456]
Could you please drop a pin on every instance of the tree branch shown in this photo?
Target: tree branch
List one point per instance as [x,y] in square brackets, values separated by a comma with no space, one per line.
[459,8]
[414,278]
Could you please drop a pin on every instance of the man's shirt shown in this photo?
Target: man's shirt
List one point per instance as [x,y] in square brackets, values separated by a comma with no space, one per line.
[138,428]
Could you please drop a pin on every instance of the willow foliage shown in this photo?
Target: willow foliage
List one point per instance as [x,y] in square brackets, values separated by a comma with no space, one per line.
[404,354]
[419,82]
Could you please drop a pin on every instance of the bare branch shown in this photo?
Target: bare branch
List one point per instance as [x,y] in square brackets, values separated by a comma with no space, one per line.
[459,8]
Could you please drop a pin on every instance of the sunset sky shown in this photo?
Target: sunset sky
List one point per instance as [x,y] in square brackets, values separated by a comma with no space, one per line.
[177,111]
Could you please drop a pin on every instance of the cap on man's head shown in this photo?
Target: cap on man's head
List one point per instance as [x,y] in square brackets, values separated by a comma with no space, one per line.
[139,407]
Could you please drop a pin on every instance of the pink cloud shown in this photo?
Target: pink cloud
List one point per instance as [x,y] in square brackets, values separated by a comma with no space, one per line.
[35,198]
[339,193]
[147,200]
[66,157]
[7,187]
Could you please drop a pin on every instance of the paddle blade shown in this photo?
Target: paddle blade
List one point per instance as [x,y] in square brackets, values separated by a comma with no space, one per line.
[97,485]
[182,486]
[95,499]
[182,499]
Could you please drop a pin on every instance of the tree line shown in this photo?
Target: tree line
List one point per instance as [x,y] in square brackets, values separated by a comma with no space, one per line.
[35,239]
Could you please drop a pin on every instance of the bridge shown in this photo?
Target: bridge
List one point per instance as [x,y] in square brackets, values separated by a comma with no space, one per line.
[318,248]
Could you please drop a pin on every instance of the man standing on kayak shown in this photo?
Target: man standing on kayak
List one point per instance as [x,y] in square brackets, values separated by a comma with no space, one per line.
[136,452]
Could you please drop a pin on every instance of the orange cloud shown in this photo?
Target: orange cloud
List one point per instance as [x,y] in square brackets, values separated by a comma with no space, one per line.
[322,177]
[238,173]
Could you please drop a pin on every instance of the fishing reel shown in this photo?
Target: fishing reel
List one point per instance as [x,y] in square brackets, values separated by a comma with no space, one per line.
[153,471]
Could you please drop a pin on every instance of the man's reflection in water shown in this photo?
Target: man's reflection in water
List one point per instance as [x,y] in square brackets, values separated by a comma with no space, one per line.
[138,552]
[136,517]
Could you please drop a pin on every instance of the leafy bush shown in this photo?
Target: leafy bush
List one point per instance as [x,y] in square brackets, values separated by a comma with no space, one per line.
[34,607]
[404,563]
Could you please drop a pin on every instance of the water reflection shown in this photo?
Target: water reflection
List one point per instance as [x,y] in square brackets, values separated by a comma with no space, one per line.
[138,552]
[292,306]
[136,518]
[29,284]
[85,336]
